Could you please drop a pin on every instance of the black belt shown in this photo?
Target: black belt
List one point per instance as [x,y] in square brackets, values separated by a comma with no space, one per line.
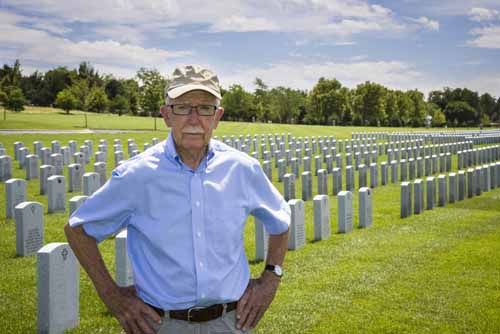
[197,314]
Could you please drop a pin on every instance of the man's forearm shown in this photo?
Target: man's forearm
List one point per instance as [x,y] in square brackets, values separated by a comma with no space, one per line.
[90,258]
[277,248]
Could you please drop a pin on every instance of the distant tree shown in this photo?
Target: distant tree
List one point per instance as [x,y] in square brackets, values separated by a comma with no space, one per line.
[88,73]
[261,100]
[11,76]
[32,87]
[487,105]
[119,105]
[80,89]
[237,103]
[460,113]
[328,101]
[369,103]
[151,91]
[97,101]
[54,81]
[285,104]
[132,93]
[113,88]
[15,99]
[418,109]
[66,100]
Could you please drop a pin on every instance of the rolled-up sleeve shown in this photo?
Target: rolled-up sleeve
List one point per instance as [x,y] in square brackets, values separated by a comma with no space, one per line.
[108,210]
[267,204]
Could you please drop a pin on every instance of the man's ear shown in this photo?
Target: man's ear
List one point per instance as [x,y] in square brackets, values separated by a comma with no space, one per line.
[165,113]
[217,117]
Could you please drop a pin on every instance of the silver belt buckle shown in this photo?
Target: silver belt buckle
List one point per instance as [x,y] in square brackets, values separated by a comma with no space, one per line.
[192,309]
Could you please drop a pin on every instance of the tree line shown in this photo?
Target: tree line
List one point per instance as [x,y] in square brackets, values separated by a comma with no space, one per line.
[329,102]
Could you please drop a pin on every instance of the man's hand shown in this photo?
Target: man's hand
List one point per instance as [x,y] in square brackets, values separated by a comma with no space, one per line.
[256,299]
[131,311]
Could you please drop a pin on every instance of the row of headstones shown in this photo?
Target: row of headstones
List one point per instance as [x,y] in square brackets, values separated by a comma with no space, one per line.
[55,188]
[371,156]
[450,189]
[58,269]
[45,154]
[322,229]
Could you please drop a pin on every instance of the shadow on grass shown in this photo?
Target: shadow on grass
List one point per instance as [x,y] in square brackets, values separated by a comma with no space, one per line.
[481,203]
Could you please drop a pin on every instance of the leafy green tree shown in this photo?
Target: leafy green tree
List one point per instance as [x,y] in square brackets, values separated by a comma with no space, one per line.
[80,89]
[113,88]
[369,103]
[418,109]
[152,91]
[460,112]
[131,88]
[119,105]
[286,104]
[15,99]
[261,94]
[32,87]
[97,101]
[328,101]
[66,100]
[487,105]
[54,81]
[10,76]
[238,104]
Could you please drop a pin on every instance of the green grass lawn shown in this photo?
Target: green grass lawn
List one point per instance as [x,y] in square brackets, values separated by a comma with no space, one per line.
[438,272]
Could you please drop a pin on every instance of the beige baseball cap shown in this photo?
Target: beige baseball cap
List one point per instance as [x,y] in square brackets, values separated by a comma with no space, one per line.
[192,77]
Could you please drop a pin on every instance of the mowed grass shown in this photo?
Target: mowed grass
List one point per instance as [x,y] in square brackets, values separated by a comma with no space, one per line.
[438,272]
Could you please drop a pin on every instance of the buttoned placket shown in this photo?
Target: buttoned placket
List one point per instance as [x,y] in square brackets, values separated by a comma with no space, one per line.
[197,223]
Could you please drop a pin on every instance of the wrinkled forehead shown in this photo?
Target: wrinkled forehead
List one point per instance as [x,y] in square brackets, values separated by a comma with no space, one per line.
[196,96]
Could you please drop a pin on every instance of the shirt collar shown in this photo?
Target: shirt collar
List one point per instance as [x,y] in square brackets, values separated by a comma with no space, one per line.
[171,151]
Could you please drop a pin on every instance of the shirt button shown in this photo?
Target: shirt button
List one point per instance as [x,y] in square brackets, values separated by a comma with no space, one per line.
[202,295]
[197,203]
[198,234]
[201,264]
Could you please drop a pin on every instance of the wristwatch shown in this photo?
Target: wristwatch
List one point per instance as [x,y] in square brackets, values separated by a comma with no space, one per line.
[275,269]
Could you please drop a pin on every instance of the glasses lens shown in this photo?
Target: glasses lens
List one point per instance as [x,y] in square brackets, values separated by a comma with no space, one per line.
[206,110]
[182,109]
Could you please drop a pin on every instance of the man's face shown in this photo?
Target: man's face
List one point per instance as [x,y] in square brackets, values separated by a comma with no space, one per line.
[192,132]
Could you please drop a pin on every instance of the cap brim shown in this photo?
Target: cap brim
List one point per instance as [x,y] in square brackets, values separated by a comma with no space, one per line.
[176,92]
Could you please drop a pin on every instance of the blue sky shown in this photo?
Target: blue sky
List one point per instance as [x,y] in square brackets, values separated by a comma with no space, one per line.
[402,44]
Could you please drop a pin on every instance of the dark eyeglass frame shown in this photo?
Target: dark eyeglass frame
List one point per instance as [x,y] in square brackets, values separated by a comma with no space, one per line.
[191,107]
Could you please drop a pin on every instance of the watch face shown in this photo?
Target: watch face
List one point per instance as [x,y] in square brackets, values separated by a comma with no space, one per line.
[278,271]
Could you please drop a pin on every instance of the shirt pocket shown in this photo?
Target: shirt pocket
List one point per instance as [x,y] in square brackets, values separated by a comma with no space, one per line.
[225,230]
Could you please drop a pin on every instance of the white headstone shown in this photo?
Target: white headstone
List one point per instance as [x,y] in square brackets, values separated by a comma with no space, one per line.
[91,182]
[75,202]
[75,172]
[297,236]
[344,211]
[124,275]
[56,193]
[365,207]
[15,193]
[58,289]
[29,228]
[321,217]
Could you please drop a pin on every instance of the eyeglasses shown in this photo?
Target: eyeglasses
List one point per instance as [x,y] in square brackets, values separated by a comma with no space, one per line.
[201,109]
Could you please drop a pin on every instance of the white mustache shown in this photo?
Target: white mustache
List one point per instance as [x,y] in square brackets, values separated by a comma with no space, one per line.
[193,130]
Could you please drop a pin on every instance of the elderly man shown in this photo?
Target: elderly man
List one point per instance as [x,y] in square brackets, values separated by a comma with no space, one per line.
[184,203]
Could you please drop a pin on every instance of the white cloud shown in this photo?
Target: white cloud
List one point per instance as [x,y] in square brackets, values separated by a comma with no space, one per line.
[427,23]
[483,14]
[35,46]
[324,17]
[487,37]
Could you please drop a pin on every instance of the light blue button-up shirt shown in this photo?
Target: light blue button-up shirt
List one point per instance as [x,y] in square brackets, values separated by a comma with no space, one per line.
[185,227]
